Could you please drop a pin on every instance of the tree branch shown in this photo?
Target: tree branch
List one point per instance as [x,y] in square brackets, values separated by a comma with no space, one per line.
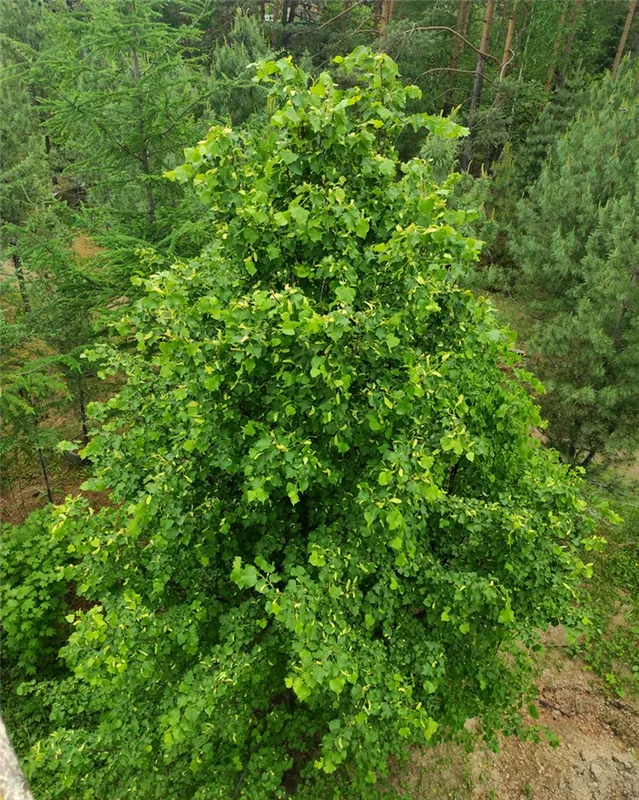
[415,29]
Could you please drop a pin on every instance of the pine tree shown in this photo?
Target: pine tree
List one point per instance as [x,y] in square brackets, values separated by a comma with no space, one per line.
[122,99]
[577,241]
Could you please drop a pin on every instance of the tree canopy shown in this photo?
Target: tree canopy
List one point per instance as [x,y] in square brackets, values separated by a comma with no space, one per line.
[333,520]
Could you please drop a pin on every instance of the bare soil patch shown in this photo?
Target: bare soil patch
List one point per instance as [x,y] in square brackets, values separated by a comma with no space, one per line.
[595,760]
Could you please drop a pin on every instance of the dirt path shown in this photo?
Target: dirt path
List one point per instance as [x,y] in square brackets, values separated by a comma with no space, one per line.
[597,755]
[596,759]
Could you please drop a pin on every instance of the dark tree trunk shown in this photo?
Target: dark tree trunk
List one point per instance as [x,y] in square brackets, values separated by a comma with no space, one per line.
[45,474]
[634,48]
[22,284]
[276,18]
[377,15]
[83,411]
[479,82]
[461,26]
[625,305]
[555,48]
[565,59]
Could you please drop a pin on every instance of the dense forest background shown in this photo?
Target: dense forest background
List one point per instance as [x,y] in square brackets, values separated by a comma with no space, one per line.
[99,100]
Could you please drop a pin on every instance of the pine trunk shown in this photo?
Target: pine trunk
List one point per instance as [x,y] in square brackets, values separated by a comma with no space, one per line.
[555,48]
[510,32]
[479,82]
[388,11]
[22,284]
[574,22]
[83,411]
[45,474]
[624,37]
[377,15]
[461,26]
[276,18]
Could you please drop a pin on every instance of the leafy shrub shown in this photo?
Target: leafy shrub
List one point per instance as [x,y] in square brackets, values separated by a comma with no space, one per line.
[34,592]
[336,523]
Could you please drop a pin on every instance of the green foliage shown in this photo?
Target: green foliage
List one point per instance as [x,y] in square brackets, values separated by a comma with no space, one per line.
[577,244]
[611,643]
[335,525]
[34,589]
[234,89]
[121,98]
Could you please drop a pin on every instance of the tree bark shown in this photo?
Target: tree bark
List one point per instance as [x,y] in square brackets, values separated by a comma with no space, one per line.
[625,305]
[22,284]
[479,82]
[510,32]
[461,26]
[377,15]
[45,474]
[634,47]
[13,784]
[555,47]
[83,411]
[574,22]
[624,36]
[388,11]
[276,19]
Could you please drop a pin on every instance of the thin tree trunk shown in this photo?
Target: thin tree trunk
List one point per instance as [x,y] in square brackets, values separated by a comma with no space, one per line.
[388,11]
[144,153]
[525,28]
[624,36]
[555,47]
[461,26]
[377,15]
[291,12]
[83,411]
[276,18]
[479,82]
[634,48]
[510,32]
[262,10]
[574,22]
[45,474]
[625,305]
[22,284]
[13,784]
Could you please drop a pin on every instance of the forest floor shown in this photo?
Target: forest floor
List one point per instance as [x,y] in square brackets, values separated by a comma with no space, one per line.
[596,758]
